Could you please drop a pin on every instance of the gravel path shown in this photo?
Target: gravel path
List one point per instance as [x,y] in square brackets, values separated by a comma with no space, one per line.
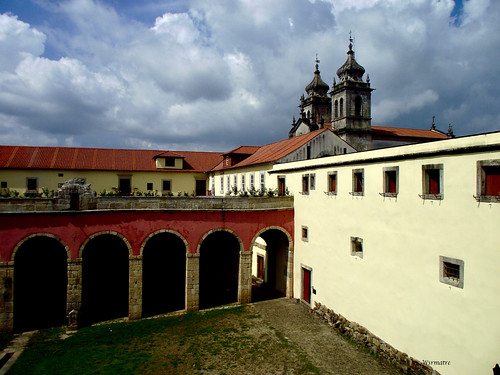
[326,349]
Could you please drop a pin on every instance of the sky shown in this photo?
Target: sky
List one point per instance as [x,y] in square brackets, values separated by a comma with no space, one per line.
[214,75]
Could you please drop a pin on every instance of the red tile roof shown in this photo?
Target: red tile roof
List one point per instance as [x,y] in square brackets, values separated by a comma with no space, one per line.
[26,157]
[407,133]
[274,151]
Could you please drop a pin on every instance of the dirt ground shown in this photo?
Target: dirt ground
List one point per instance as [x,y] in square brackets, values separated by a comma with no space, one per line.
[325,348]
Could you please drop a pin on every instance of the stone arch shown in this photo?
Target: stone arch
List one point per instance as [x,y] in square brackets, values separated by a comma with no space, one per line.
[50,235]
[272,263]
[113,233]
[164,231]
[40,282]
[164,254]
[105,277]
[220,252]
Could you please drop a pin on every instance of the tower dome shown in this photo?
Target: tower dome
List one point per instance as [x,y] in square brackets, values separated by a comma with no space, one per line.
[351,70]
[317,87]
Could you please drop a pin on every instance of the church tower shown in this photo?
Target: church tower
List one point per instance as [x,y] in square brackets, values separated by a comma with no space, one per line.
[316,106]
[351,104]
[315,109]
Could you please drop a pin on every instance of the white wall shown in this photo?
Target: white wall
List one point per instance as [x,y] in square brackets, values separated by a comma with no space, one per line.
[395,290]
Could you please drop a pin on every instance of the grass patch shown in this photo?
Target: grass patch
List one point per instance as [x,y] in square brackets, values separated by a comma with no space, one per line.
[230,340]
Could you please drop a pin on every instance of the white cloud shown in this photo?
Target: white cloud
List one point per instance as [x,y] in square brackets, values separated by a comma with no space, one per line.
[223,74]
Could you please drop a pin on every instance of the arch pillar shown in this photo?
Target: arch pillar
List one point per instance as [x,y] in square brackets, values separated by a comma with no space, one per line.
[74,287]
[289,273]
[245,277]
[192,281]
[135,287]
[6,297]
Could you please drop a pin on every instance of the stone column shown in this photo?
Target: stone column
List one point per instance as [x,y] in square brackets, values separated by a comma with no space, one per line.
[6,297]
[74,290]
[135,288]
[192,282]
[289,275]
[245,277]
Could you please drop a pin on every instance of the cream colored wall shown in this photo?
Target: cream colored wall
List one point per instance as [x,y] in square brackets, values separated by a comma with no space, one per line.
[102,180]
[395,290]
[268,179]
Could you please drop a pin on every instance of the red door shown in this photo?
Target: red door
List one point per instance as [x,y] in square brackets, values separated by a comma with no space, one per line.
[306,293]
[260,267]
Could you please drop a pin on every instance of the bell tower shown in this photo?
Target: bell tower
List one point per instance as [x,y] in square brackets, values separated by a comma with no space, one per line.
[351,104]
[316,106]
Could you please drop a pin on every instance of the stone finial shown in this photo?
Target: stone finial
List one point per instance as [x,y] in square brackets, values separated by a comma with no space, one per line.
[293,121]
[450,132]
[433,125]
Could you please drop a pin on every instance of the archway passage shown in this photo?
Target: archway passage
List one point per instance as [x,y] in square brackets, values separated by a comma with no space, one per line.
[164,274]
[105,279]
[270,266]
[219,266]
[40,284]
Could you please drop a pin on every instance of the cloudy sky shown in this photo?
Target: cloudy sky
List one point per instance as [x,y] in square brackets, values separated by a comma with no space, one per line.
[213,75]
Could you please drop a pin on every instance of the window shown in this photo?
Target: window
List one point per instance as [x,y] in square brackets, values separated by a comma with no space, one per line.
[3,184]
[222,184]
[235,181]
[308,152]
[432,181]
[227,160]
[305,233]
[357,182]
[341,107]
[451,271]
[243,182]
[332,183]
[357,247]
[336,108]
[391,182]
[281,185]
[32,184]
[252,181]
[213,186]
[149,186]
[488,181]
[262,181]
[169,162]
[312,181]
[305,184]
[166,185]
[228,184]
[60,175]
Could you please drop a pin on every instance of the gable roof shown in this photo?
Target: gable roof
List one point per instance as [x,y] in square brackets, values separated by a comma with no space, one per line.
[27,157]
[407,133]
[275,151]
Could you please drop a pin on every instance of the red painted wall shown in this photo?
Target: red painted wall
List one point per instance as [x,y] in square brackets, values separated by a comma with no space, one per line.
[74,228]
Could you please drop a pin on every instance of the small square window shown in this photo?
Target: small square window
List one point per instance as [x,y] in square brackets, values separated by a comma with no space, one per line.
[488,181]
[149,186]
[432,181]
[305,184]
[332,183]
[3,184]
[60,175]
[357,247]
[166,185]
[170,162]
[451,271]
[358,182]
[305,233]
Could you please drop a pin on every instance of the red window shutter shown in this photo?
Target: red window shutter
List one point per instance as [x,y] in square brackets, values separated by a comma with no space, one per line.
[434,187]
[333,183]
[492,181]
